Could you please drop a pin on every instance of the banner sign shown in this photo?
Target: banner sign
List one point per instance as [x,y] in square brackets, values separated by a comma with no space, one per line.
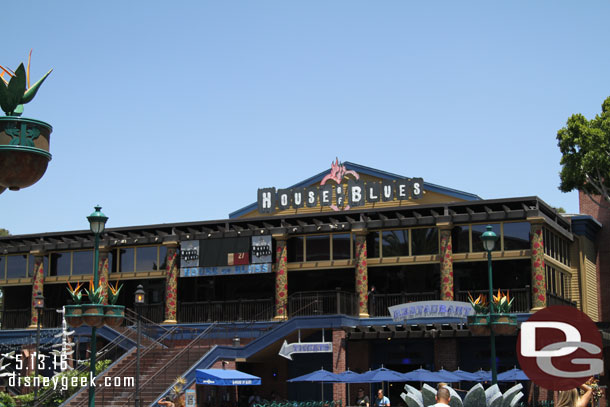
[431,309]
[225,270]
[261,249]
[189,253]
[358,192]
[288,349]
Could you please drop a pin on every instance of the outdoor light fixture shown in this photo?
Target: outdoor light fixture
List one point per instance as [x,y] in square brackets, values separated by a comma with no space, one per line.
[140,294]
[139,298]
[39,301]
[489,241]
[97,221]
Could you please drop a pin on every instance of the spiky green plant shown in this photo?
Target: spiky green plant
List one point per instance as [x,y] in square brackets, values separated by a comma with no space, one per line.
[95,295]
[17,91]
[113,294]
[480,305]
[75,293]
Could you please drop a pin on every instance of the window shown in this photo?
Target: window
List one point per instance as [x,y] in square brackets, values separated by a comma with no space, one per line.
[477,232]
[317,247]
[60,264]
[517,236]
[425,241]
[557,247]
[460,239]
[295,248]
[341,246]
[163,257]
[32,263]
[146,258]
[395,243]
[127,260]
[82,263]
[16,266]
[2,263]
[372,244]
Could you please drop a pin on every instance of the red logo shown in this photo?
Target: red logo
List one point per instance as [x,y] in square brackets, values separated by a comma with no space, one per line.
[337,173]
[559,348]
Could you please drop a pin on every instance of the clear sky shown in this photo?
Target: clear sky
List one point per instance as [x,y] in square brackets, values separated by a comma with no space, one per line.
[178,111]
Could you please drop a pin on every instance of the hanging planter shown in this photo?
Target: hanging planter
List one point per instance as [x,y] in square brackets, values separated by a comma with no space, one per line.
[74,315]
[114,315]
[478,324]
[93,315]
[504,324]
[24,143]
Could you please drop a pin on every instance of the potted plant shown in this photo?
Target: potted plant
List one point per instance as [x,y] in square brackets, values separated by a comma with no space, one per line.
[114,314]
[502,321]
[479,322]
[24,143]
[93,312]
[74,312]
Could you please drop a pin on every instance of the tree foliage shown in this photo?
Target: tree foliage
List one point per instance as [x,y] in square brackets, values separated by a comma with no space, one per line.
[585,146]
[4,232]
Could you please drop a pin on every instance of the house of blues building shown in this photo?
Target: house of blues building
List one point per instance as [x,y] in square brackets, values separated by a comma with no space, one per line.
[300,264]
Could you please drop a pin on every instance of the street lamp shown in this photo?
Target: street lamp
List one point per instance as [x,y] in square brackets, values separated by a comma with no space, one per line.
[139,300]
[97,223]
[39,305]
[489,239]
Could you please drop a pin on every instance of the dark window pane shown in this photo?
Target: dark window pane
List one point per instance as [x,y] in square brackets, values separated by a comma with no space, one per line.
[60,264]
[32,261]
[318,248]
[372,245]
[425,241]
[477,232]
[395,243]
[517,236]
[295,249]
[113,264]
[2,271]
[460,240]
[82,263]
[163,257]
[127,260]
[341,247]
[16,266]
[146,258]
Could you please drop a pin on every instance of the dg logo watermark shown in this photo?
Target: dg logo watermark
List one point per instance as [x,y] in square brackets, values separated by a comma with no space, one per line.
[559,348]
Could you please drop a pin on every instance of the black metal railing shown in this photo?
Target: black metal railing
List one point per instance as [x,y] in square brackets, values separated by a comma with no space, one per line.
[16,318]
[153,312]
[521,297]
[322,303]
[379,303]
[225,311]
[554,299]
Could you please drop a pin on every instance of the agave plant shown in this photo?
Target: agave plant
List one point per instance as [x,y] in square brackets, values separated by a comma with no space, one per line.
[16,91]
[480,305]
[113,295]
[502,302]
[477,396]
[95,295]
[75,293]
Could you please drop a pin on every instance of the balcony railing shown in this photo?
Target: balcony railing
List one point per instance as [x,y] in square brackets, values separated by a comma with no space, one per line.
[554,299]
[322,303]
[225,311]
[521,297]
[379,303]
[20,318]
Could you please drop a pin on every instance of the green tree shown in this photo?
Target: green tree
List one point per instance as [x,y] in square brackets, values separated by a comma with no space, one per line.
[585,146]
[4,232]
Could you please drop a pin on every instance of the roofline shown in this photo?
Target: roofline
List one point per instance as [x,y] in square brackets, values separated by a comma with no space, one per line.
[367,171]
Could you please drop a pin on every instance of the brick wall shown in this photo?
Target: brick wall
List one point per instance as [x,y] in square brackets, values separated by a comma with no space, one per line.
[339,359]
[446,353]
[358,361]
[588,207]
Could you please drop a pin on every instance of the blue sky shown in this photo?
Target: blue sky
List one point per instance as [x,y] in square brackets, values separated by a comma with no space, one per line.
[173,112]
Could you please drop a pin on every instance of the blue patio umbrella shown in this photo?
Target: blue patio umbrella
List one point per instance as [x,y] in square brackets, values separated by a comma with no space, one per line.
[466,376]
[322,376]
[380,375]
[453,378]
[482,375]
[425,375]
[348,377]
[512,375]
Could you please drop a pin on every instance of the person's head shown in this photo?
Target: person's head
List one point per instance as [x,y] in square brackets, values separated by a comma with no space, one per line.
[360,392]
[567,398]
[380,393]
[443,395]
[441,385]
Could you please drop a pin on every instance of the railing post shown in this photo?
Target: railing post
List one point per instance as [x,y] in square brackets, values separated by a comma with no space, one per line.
[239,310]
[528,297]
[338,295]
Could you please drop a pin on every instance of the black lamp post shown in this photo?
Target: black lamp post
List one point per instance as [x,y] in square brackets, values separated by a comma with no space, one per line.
[39,305]
[139,300]
[489,239]
[97,222]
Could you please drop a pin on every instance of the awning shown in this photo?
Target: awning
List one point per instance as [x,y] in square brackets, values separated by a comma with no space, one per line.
[223,377]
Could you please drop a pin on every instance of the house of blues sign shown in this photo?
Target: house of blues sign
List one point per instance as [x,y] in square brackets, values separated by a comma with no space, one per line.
[332,194]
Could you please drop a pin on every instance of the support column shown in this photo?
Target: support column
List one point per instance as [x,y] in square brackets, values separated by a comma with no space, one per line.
[37,284]
[102,270]
[538,269]
[446,264]
[339,358]
[446,353]
[281,277]
[362,273]
[171,282]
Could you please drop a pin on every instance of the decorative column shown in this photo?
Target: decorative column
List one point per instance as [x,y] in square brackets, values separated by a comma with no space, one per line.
[446,264]
[538,269]
[171,282]
[37,284]
[102,270]
[339,365]
[362,274]
[281,277]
